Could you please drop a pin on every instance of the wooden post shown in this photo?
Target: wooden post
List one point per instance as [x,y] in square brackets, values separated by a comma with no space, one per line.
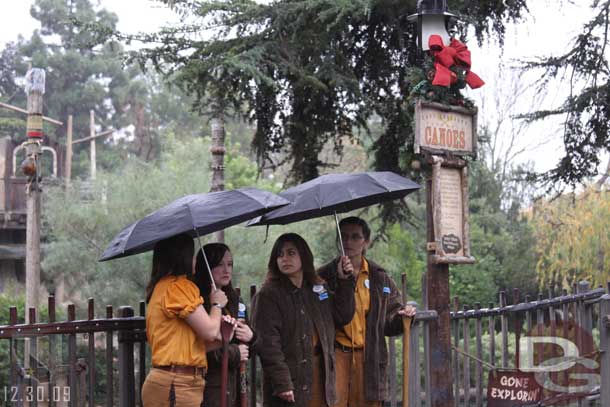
[127,382]
[441,376]
[252,360]
[92,143]
[68,169]
[218,157]
[35,90]
[604,344]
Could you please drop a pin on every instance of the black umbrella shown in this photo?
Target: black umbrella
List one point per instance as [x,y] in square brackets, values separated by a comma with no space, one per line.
[193,214]
[337,193]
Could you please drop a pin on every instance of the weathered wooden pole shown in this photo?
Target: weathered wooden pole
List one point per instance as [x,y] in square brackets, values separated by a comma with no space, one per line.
[35,85]
[437,283]
[92,144]
[68,169]
[218,157]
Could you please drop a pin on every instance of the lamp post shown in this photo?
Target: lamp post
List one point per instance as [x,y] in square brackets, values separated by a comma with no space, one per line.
[432,18]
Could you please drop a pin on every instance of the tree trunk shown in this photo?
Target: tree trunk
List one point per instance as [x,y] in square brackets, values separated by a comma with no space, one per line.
[218,157]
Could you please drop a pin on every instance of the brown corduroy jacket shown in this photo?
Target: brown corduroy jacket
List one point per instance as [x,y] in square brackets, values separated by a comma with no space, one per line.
[382,320]
[284,317]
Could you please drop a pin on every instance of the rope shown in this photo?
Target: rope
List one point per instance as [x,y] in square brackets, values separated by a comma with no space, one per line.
[486,364]
[565,362]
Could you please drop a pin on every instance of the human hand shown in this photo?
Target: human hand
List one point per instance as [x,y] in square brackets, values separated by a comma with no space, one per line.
[219,297]
[243,332]
[287,396]
[408,311]
[244,352]
[344,268]
[227,327]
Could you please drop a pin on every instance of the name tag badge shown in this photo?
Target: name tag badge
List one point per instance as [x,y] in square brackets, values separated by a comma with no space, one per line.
[323,296]
[367,283]
[386,290]
[241,310]
[318,288]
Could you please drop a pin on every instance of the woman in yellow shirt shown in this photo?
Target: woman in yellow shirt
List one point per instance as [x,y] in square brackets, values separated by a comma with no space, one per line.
[178,328]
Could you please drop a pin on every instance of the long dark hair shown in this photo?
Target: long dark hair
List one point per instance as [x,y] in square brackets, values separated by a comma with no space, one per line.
[214,252]
[171,256]
[309,271]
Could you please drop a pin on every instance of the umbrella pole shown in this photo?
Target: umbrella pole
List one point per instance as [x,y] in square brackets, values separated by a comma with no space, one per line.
[205,258]
[339,234]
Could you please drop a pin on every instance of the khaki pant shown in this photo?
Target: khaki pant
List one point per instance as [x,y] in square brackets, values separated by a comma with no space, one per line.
[156,389]
[318,393]
[350,380]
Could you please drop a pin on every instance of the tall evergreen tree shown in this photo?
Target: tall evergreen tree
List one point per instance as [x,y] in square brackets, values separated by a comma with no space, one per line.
[309,71]
[79,78]
[584,68]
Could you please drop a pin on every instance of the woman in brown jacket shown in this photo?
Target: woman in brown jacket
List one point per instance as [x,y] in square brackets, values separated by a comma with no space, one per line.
[295,316]
[220,261]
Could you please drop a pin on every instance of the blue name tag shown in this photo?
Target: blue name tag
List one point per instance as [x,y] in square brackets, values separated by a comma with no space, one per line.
[386,290]
[241,311]
[323,296]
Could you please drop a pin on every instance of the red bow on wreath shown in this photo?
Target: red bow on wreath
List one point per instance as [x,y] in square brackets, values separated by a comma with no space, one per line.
[445,57]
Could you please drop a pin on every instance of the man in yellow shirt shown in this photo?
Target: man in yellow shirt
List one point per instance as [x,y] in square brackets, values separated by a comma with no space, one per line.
[360,350]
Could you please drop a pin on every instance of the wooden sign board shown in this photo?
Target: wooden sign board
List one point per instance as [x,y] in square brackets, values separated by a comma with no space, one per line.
[443,129]
[450,203]
[512,389]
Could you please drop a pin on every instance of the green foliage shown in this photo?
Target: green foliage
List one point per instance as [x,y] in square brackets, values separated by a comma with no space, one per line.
[79,229]
[573,239]
[81,77]
[309,72]
[501,239]
[425,90]
[398,254]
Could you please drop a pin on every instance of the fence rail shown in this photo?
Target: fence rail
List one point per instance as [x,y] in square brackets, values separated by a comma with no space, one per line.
[103,361]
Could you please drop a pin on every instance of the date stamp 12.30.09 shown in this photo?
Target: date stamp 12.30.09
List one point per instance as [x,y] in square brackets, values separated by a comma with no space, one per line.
[43,394]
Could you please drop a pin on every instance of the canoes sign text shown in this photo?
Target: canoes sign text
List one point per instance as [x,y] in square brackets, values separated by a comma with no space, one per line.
[444,129]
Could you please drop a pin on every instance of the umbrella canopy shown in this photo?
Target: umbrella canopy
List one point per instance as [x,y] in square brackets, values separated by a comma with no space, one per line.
[337,193]
[193,214]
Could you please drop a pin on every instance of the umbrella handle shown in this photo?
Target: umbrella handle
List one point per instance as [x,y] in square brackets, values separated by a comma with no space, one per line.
[339,234]
[205,258]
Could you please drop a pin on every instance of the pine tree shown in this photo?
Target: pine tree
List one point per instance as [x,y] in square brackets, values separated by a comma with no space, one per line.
[309,72]
[585,69]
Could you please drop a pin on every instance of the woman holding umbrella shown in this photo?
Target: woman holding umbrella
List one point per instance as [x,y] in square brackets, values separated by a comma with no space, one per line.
[220,261]
[178,328]
[361,352]
[295,316]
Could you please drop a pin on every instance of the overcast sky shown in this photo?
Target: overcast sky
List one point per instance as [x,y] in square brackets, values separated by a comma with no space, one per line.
[547,31]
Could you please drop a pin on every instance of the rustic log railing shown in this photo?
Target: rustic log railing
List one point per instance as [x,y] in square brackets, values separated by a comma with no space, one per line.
[49,385]
[585,308]
[481,338]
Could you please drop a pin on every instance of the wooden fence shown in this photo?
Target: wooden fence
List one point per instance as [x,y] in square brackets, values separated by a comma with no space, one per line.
[103,361]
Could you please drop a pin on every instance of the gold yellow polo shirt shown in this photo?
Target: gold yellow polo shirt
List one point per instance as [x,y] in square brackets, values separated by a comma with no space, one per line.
[172,340]
[353,334]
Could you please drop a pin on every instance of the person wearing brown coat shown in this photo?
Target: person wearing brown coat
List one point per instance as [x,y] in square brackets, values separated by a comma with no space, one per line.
[295,316]
[361,352]
[243,344]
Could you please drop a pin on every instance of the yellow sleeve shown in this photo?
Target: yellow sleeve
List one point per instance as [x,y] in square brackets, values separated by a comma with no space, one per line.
[181,299]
